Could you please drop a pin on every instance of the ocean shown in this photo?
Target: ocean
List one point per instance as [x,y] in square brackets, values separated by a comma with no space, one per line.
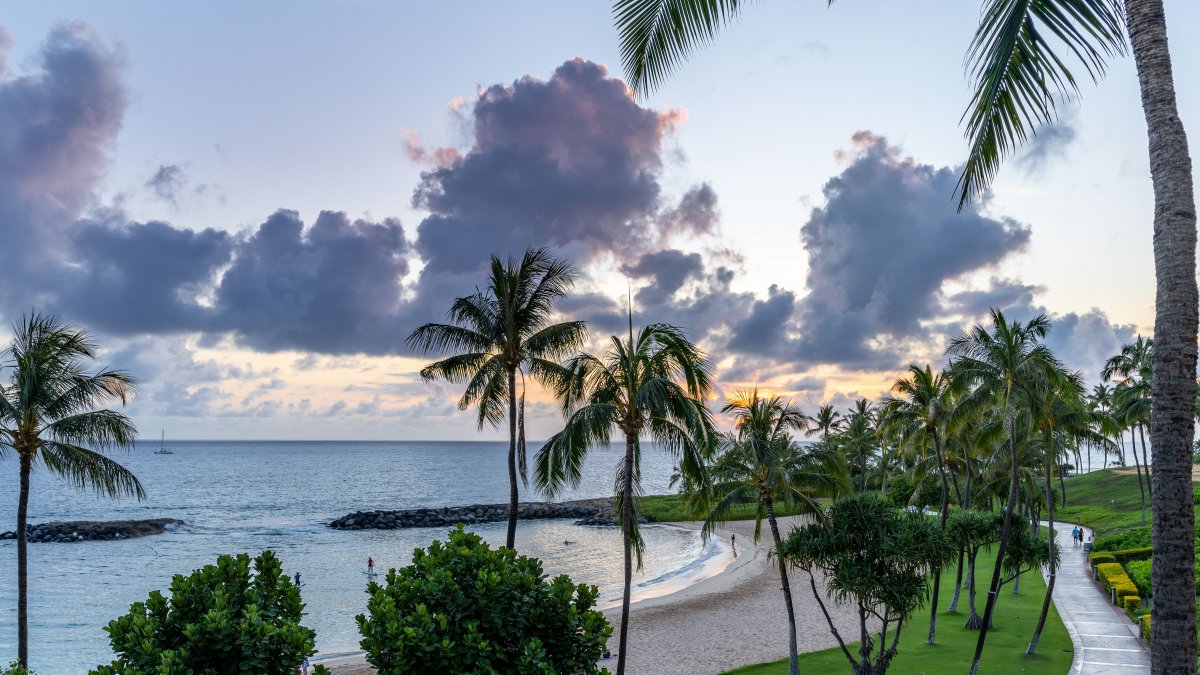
[240,497]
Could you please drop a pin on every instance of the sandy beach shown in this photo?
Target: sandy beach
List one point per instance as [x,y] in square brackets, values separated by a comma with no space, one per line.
[733,618]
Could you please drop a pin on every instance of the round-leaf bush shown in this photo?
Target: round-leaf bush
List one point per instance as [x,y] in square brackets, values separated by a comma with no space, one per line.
[463,607]
[220,620]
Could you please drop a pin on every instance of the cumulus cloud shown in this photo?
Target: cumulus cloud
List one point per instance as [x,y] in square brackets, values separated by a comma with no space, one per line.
[880,250]
[1048,142]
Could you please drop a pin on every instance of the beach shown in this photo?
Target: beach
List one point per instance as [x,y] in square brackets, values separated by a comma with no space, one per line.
[733,618]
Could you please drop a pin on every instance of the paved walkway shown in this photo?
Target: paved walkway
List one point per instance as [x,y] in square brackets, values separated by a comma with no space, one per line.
[1106,642]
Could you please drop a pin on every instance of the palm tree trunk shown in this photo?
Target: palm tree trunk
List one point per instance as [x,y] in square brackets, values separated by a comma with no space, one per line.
[958,578]
[626,527]
[23,563]
[1138,466]
[512,460]
[1173,388]
[974,621]
[793,661]
[862,470]
[1037,632]
[1146,461]
[997,572]
[937,573]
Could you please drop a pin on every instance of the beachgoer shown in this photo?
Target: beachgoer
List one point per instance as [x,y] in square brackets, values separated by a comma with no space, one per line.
[733,540]
[370,565]
[305,665]
[1075,536]
[297,580]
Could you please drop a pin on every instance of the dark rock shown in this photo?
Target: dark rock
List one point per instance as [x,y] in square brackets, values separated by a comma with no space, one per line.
[585,511]
[94,530]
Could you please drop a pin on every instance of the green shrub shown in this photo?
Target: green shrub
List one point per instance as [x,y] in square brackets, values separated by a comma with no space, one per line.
[1138,537]
[1139,574]
[462,607]
[1100,558]
[1144,624]
[221,619]
[1132,602]
[900,489]
[15,668]
[1133,554]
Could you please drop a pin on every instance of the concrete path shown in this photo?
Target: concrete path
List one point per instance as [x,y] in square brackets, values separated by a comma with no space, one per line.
[1106,642]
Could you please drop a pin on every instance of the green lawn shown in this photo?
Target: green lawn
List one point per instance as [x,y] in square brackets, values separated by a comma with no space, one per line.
[1004,652]
[673,508]
[1105,500]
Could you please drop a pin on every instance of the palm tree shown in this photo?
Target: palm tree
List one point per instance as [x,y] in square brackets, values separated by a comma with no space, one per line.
[48,414]
[498,334]
[1020,79]
[760,464]
[1005,365]
[920,406]
[655,383]
[827,421]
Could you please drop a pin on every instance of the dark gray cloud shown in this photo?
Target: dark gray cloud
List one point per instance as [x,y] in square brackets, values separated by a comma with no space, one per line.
[1000,294]
[667,271]
[57,122]
[763,330]
[880,250]
[333,288]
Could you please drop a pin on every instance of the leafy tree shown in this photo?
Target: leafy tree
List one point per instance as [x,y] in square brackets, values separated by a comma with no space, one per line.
[463,607]
[1021,68]
[827,421]
[497,334]
[222,619]
[48,415]
[761,464]
[876,558]
[656,383]
[971,531]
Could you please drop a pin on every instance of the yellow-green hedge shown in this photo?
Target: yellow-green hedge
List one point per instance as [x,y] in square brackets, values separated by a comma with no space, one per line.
[1100,558]
[1144,624]
[1132,602]
[1114,578]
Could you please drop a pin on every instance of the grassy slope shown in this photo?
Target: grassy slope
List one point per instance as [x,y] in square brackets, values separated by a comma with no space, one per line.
[1015,618]
[1107,501]
[673,508]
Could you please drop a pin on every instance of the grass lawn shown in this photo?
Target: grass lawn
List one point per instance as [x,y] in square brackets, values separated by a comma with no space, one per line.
[1107,500]
[1004,652]
[673,508]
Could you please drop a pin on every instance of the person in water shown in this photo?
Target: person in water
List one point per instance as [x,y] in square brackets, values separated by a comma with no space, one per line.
[297,580]
[370,565]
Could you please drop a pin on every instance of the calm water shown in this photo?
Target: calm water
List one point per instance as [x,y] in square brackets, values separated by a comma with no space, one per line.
[249,496]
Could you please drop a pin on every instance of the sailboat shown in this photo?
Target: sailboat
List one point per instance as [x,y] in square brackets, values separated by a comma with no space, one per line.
[161,450]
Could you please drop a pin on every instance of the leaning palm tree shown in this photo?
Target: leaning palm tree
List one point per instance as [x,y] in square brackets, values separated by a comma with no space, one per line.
[498,334]
[49,416]
[760,464]
[920,406]
[1021,72]
[1005,365]
[655,383]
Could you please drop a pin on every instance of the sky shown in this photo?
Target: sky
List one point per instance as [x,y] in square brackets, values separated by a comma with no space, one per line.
[251,205]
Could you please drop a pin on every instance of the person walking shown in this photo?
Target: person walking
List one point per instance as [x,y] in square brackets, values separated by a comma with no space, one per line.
[370,565]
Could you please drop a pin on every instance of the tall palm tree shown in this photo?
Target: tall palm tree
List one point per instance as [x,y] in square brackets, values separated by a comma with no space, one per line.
[826,421]
[1020,79]
[858,440]
[655,383]
[498,334]
[920,406]
[1005,364]
[48,415]
[761,464]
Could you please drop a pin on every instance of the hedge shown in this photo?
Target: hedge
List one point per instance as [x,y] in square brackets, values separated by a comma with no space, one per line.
[1113,577]
[1133,554]
[1139,574]
[1144,624]
[1100,558]
[1132,602]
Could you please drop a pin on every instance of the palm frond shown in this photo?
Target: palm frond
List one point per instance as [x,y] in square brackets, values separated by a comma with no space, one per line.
[658,35]
[85,468]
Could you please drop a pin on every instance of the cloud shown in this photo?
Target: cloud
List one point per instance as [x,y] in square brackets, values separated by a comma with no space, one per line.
[167,181]
[764,330]
[1047,143]
[880,249]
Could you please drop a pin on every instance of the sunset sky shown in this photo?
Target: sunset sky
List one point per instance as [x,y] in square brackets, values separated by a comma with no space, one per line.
[252,204]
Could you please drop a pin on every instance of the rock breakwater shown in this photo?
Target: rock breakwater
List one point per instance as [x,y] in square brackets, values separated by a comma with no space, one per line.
[93,530]
[585,511]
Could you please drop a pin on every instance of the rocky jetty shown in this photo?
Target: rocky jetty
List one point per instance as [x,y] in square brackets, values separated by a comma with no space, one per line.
[585,511]
[94,531]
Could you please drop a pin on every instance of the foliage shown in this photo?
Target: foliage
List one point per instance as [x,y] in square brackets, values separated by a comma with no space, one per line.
[1132,554]
[1144,625]
[1113,578]
[15,668]
[1131,603]
[1138,537]
[677,508]
[900,489]
[463,607]
[1016,616]
[1101,558]
[1139,574]
[875,557]
[220,619]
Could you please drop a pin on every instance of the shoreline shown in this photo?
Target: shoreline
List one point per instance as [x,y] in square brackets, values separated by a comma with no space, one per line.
[730,613]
